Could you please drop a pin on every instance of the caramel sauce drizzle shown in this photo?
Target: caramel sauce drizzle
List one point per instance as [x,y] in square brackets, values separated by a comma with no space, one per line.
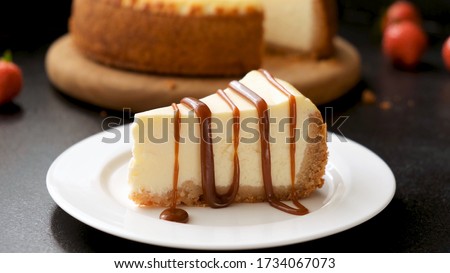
[264,129]
[211,196]
[173,213]
[292,133]
[236,127]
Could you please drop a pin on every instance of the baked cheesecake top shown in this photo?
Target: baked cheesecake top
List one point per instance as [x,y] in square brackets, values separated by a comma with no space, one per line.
[194,7]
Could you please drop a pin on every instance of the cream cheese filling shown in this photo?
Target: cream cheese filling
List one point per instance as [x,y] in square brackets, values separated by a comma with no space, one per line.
[290,24]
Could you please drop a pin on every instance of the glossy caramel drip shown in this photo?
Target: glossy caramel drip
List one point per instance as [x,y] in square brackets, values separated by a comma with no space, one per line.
[264,128]
[292,132]
[173,213]
[234,188]
[213,199]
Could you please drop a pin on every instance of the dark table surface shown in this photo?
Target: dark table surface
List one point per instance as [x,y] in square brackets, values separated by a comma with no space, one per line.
[412,136]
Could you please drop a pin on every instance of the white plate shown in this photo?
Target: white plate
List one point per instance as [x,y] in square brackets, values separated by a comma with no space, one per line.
[89,181]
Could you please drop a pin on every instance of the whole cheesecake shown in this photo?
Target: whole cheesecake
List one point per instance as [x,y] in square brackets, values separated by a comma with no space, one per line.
[257,140]
[177,37]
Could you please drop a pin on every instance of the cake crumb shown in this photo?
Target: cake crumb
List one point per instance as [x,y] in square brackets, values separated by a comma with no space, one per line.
[385,105]
[103,114]
[368,97]
[171,85]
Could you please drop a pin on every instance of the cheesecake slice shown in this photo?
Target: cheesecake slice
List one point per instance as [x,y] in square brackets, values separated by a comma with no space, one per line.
[257,140]
[305,28]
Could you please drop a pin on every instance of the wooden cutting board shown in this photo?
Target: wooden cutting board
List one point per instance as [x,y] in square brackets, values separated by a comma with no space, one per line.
[73,74]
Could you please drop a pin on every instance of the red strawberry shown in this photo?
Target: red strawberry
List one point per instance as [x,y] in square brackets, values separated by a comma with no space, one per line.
[446,53]
[404,43]
[401,11]
[10,79]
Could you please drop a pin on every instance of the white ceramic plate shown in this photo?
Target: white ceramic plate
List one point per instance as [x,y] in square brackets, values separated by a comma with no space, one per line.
[89,181]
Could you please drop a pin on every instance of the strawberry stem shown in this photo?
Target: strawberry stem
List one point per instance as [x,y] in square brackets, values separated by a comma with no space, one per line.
[7,56]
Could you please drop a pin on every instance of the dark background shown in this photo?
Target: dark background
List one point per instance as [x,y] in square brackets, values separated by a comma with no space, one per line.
[412,136]
[27,25]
